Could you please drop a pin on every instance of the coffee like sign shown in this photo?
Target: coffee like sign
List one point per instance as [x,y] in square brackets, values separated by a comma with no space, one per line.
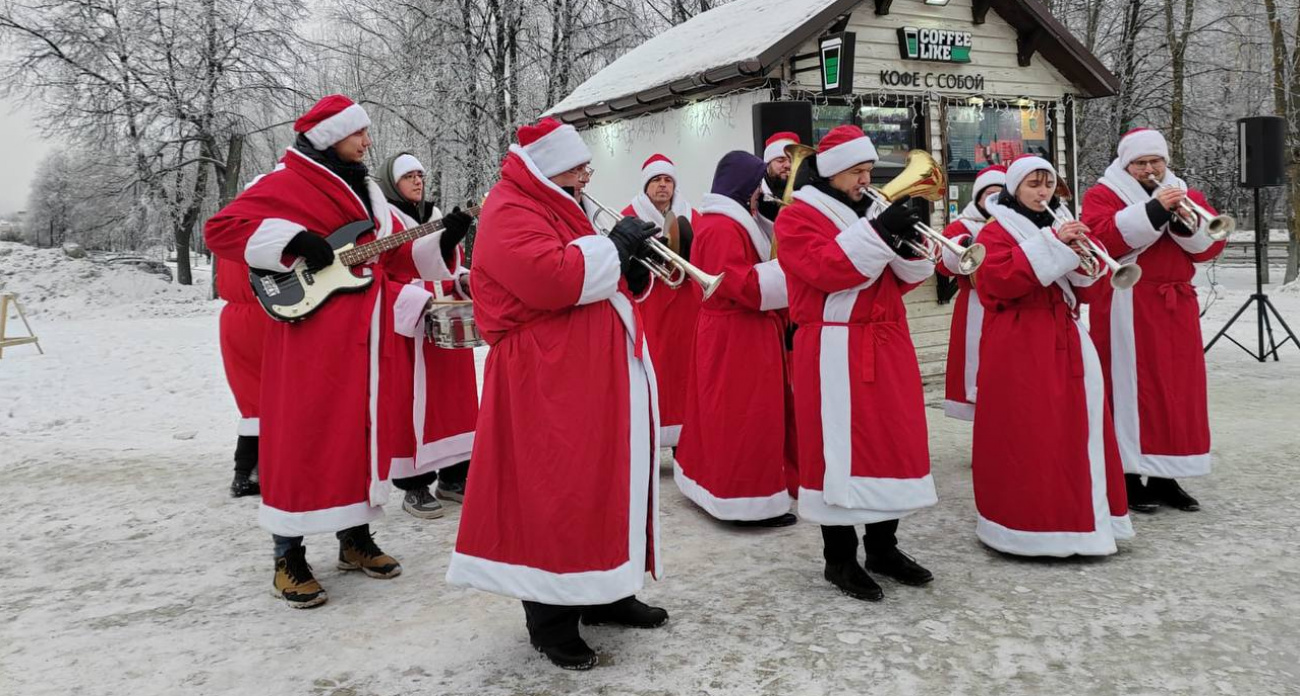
[938,45]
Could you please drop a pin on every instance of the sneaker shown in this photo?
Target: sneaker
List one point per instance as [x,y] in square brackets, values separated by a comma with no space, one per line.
[359,552]
[1139,496]
[853,581]
[294,582]
[244,484]
[629,611]
[899,566]
[779,521]
[420,503]
[451,492]
[575,655]
[1168,491]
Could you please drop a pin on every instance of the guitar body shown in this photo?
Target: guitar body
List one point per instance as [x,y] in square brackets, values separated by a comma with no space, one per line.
[296,294]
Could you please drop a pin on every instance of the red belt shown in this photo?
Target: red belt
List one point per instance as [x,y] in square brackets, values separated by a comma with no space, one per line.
[877,333]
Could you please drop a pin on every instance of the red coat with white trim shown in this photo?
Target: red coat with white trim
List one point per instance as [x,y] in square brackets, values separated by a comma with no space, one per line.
[320,466]
[964,335]
[431,394]
[1046,471]
[732,460]
[243,327]
[568,396]
[1149,338]
[670,315]
[863,450]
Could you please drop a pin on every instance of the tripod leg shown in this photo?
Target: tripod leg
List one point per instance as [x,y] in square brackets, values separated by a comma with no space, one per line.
[1266,324]
[1289,333]
[1228,325]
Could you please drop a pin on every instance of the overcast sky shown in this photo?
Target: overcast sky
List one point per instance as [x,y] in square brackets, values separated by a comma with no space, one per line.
[24,148]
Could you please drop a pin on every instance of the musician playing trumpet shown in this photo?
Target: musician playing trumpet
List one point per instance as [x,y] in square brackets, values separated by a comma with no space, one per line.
[1047,476]
[863,454]
[1149,336]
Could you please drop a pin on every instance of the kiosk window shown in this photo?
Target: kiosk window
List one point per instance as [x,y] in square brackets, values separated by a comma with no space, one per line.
[892,129]
[978,136]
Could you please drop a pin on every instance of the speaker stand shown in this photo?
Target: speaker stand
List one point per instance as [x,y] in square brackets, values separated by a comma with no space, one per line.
[1260,301]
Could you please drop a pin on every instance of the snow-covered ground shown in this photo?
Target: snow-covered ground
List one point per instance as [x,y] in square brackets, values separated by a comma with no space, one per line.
[127,569]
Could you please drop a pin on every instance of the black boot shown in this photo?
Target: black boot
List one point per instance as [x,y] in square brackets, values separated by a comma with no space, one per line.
[245,481]
[853,581]
[899,566]
[1139,498]
[1170,493]
[779,521]
[629,611]
[574,654]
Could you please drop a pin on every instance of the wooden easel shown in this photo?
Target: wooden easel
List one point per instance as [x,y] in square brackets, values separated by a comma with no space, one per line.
[7,341]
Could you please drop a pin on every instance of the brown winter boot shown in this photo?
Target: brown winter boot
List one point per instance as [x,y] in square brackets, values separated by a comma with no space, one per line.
[294,582]
[358,551]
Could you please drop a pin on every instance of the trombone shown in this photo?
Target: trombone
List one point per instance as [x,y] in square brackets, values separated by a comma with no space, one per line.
[924,178]
[670,268]
[1092,257]
[1218,227]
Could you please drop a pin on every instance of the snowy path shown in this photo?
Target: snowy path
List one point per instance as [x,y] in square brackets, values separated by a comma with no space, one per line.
[133,573]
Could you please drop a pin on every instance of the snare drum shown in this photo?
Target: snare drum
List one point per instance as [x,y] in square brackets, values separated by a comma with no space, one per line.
[450,324]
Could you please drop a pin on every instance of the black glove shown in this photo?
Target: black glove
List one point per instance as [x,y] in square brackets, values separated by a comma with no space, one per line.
[638,277]
[768,208]
[628,236]
[455,225]
[311,247]
[685,236]
[896,225]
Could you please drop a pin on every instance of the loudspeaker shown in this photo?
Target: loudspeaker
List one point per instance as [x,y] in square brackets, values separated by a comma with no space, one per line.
[1261,149]
[774,117]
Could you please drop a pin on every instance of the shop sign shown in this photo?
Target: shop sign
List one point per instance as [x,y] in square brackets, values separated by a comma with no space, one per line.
[937,45]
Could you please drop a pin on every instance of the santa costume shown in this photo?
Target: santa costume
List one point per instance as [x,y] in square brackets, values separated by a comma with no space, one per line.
[568,395]
[773,187]
[733,461]
[967,312]
[243,328]
[863,451]
[669,313]
[1046,473]
[1149,336]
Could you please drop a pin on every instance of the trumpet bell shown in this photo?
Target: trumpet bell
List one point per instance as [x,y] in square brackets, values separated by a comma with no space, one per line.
[1126,276]
[971,259]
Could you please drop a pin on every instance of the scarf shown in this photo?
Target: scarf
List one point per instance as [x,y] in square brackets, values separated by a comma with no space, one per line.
[354,174]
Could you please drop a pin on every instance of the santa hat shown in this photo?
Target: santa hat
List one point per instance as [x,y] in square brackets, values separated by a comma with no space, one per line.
[332,119]
[1022,167]
[842,148]
[775,146]
[657,165]
[995,175]
[553,148]
[405,164]
[1141,142]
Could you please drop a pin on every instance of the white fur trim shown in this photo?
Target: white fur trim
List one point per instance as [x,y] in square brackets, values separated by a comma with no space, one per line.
[429,261]
[865,249]
[1198,243]
[814,508]
[339,126]
[911,270]
[750,509]
[952,261]
[527,159]
[1058,544]
[771,286]
[1142,143]
[1123,375]
[959,410]
[657,168]
[249,427]
[974,334]
[1174,466]
[380,487]
[405,164]
[600,271]
[408,309]
[558,151]
[1023,167]
[329,520]
[721,205]
[846,155]
[1135,226]
[265,247]
[775,150]
[1050,257]
[439,454]
[670,435]
[1122,527]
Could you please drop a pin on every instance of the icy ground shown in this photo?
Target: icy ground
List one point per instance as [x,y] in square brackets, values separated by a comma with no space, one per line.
[126,569]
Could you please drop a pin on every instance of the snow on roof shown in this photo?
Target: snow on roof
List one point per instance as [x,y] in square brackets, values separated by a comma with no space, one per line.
[735,32]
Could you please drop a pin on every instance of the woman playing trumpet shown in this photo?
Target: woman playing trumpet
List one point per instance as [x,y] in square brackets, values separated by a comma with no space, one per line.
[1046,469]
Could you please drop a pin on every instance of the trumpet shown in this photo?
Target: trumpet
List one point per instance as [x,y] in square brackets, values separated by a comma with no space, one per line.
[924,178]
[670,268]
[1094,260]
[1218,227]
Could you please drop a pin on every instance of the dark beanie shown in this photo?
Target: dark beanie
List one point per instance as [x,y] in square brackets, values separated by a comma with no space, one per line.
[738,175]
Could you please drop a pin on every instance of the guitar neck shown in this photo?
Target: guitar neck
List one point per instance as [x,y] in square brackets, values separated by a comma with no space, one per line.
[369,250]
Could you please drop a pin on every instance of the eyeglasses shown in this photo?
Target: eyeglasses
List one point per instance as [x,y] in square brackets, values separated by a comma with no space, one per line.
[582,171]
[1147,163]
